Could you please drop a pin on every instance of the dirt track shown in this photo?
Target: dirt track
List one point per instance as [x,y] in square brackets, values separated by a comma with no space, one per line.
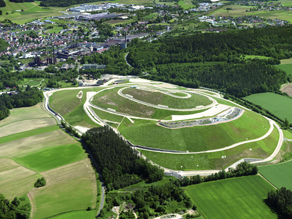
[287,89]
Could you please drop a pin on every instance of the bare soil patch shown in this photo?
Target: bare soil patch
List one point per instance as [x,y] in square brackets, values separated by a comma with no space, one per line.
[15,180]
[23,146]
[287,89]
[25,125]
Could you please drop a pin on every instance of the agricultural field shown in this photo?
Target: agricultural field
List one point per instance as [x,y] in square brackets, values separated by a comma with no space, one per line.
[275,103]
[241,197]
[255,56]
[39,148]
[215,160]
[31,11]
[241,11]
[278,174]
[197,138]
[186,4]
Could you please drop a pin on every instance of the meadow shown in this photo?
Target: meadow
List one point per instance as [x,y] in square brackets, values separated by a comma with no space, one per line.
[129,107]
[157,98]
[275,103]
[239,10]
[70,107]
[15,180]
[73,184]
[107,116]
[77,215]
[215,160]
[197,138]
[278,174]
[55,29]
[241,197]
[285,67]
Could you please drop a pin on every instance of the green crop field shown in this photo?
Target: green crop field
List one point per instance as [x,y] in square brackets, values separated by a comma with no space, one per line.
[286,68]
[186,4]
[197,138]
[25,134]
[241,197]
[52,157]
[278,174]
[205,161]
[275,103]
[129,107]
[172,102]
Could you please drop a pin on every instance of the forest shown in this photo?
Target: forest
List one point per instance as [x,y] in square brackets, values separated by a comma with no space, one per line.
[3,43]
[26,98]
[154,201]
[217,60]
[19,208]
[280,201]
[120,165]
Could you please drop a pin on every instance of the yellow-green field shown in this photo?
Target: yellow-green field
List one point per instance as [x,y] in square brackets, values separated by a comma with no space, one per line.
[31,11]
[241,11]
[37,150]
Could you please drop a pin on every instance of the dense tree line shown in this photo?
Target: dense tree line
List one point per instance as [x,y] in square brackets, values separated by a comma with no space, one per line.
[281,202]
[15,209]
[114,59]
[238,79]
[2,3]
[154,201]
[63,3]
[119,163]
[40,182]
[217,60]
[21,1]
[3,43]
[29,97]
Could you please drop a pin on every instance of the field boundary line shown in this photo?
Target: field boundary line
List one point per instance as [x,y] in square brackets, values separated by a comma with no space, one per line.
[121,122]
[267,180]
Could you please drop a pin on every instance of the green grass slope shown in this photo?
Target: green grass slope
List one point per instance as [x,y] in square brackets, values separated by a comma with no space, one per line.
[199,138]
[279,175]
[111,99]
[275,103]
[216,160]
[163,99]
[70,107]
[241,197]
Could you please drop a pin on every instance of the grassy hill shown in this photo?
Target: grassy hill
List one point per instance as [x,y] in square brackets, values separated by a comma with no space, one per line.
[197,138]
[215,160]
